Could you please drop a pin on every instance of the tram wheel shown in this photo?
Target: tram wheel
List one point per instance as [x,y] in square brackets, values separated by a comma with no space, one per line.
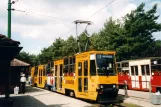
[35,85]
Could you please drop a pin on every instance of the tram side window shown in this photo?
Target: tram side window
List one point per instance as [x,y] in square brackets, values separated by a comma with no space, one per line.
[125,64]
[56,68]
[36,71]
[80,69]
[44,73]
[142,70]
[73,68]
[118,65]
[61,69]
[52,67]
[136,70]
[85,68]
[39,72]
[65,66]
[147,70]
[132,70]
[80,84]
[92,68]
[85,84]
[72,64]
[48,68]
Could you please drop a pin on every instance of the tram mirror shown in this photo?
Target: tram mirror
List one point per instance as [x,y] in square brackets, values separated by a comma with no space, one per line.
[92,57]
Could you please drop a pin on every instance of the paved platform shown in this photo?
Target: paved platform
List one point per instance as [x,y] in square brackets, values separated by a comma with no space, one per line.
[139,98]
[36,97]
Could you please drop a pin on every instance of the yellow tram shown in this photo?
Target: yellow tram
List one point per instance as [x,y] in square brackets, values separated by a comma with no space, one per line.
[88,75]
[38,76]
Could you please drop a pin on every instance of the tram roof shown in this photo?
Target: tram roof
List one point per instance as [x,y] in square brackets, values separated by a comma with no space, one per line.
[88,52]
[97,52]
[140,59]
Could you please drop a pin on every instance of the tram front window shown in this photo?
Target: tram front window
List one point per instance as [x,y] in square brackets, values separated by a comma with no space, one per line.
[105,64]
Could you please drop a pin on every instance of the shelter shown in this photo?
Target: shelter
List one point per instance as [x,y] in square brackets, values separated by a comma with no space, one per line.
[8,50]
[17,68]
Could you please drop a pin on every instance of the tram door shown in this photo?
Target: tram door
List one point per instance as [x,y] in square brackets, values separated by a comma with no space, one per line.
[35,77]
[56,71]
[83,76]
[40,76]
[134,77]
[60,72]
[145,76]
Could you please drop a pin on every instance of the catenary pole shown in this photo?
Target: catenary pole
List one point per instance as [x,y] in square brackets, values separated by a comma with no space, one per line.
[9,18]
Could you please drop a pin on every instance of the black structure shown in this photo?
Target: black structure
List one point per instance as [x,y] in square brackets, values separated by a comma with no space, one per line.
[17,68]
[8,50]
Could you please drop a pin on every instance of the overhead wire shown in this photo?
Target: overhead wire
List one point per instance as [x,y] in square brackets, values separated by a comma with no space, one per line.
[93,14]
[23,11]
[100,9]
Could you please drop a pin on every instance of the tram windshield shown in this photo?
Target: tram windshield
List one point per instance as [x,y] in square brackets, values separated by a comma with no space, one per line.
[105,64]
[155,65]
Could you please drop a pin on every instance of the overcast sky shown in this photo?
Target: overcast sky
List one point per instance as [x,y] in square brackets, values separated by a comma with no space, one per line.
[36,30]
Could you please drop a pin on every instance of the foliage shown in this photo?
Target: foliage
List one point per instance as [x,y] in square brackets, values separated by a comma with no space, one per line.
[28,58]
[131,38]
[139,26]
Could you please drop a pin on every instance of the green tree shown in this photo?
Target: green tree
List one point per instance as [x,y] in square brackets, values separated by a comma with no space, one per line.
[28,58]
[71,46]
[157,51]
[46,55]
[58,48]
[139,26]
[84,41]
[110,38]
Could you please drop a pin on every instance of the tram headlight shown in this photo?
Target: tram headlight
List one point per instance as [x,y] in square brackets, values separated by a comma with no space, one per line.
[114,86]
[101,86]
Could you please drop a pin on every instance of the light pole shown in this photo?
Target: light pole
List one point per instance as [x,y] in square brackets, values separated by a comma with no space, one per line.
[9,17]
[9,36]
